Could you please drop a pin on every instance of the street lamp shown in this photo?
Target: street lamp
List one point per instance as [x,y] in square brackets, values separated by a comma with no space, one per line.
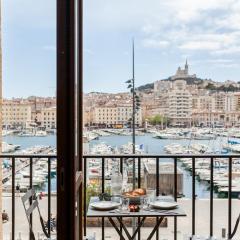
[136,103]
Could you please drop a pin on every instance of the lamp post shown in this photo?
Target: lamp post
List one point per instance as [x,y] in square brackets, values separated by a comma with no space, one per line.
[135,107]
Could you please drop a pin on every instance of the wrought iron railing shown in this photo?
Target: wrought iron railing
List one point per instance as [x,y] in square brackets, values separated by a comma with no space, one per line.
[28,161]
[175,158]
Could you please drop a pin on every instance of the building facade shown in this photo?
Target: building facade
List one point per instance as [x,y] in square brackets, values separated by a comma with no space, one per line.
[114,115]
[16,114]
[180,104]
[48,118]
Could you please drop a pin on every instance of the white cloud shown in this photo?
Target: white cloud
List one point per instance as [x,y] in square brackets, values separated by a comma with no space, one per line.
[152,43]
[187,26]
[231,50]
[200,45]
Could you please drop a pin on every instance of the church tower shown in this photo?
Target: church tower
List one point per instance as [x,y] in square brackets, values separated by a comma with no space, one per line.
[186,67]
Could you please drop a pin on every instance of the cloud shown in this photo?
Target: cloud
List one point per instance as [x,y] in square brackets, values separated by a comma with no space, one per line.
[200,45]
[231,50]
[153,43]
[207,29]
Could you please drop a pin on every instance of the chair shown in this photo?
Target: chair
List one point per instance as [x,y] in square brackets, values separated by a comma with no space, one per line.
[235,228]
[31,195]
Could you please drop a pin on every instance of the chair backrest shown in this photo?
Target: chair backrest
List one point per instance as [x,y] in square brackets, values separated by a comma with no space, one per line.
[30,197]
[235,227]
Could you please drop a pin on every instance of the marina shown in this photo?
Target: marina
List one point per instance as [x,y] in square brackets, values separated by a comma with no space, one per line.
[209,141]
[118,141]
[22,146]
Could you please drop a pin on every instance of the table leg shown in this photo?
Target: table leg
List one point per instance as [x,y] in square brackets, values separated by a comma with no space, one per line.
[126,231]
[116,228]
[138,228]
[155,228]
[124,228]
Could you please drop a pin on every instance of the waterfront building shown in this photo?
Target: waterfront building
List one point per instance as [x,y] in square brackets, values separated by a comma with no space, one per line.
[37,104]
[48,119]
[16,114]
[179,104]
[115,115]
[216,109]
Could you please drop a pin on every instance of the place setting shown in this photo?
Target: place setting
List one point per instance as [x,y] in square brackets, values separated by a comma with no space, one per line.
[135,201]
[138,203]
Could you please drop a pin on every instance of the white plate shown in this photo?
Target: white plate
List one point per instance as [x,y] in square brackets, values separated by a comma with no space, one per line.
[164,205]
[105,205]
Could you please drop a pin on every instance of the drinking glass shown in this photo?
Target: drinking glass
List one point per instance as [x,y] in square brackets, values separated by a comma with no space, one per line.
[125,204]
[144,201]
[116,199]
[151,193]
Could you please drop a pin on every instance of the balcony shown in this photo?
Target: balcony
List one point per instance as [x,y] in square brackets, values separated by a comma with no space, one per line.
[25,172]
[206,217]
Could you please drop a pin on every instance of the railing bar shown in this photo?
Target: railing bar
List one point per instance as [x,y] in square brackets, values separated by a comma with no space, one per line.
[193,195]
[121,171]
[124,156]
[13,198]
[211,198]
[85,196]
[103,169]
[49,196]
[139,185]
[157,176]
[121,165]
[157,190]
[230,197]
[175,196]
[31,185]
[139,172]
[103,189]
[155,156]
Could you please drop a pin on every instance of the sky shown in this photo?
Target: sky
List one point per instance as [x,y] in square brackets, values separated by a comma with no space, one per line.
[205,32]
[29,48]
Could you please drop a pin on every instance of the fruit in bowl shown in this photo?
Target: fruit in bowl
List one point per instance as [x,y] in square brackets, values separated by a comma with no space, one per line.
[135,195]
[134,208]
[139,192]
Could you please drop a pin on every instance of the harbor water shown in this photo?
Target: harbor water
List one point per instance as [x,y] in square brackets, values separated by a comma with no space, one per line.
[27,142]
[150,145]
[156,146]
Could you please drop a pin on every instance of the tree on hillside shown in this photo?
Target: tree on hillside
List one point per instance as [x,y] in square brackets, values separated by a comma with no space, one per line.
[210,86]
[158,120]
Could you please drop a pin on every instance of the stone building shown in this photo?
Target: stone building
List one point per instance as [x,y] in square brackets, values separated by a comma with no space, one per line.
[16,114]
[48,119]
[114,115]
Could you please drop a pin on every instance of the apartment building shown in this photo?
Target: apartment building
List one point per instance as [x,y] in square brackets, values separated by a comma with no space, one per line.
[38,103]
[179,104]
[216,109]
[16,114]
[48,119]
[115,115]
